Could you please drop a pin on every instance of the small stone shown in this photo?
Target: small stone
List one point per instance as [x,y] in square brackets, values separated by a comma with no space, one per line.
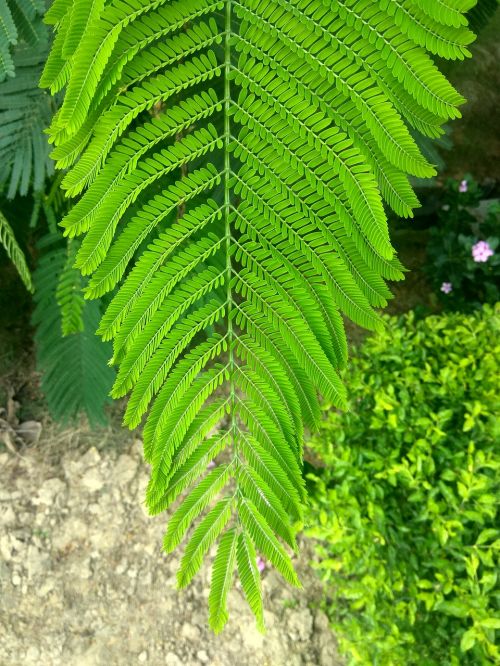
[321,622]
[7,516]
[146,579]
[202,656]
[29,431]
[91,457]
[5,548]
[16,579]
[92,480]
[137,449]
[269,619]
[17,545]
[81,569]
[252,638]
[10,495]
[125,469]
[35,561]
[46,587]
[32,653]
[172,659]
[300,624]
[70,533]
[190,632]
[328,655]
[143,657]
[121,568]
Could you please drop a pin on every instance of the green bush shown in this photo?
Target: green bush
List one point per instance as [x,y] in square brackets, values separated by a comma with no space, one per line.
[407,503]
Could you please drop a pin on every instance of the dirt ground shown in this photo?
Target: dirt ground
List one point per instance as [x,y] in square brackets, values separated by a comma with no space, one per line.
[83,581]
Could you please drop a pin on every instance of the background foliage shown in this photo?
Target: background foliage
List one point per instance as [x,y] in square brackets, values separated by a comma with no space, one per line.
[75,373]
[462,275]
[406,505]
[72,361]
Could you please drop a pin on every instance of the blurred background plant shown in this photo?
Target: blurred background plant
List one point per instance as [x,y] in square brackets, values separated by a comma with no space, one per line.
[71,360]
[405,500]
[463,262]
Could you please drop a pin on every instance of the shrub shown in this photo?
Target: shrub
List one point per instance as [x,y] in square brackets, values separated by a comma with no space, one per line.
[463,252]
[407,503]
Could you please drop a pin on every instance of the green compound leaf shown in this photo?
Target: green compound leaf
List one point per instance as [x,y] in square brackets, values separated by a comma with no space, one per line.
[235,161]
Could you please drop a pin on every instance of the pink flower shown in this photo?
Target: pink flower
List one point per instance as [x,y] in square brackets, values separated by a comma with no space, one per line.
[446,287]
[211,465]
[463,187]
[481,251]
[261,564]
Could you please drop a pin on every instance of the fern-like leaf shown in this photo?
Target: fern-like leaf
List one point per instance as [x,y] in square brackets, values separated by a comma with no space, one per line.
[75,376]
[25,112]
[236,159]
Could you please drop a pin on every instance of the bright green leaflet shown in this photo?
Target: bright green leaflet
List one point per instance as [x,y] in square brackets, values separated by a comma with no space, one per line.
[235,157]
[9,243]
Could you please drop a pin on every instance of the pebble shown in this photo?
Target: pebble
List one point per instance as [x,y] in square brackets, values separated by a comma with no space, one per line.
[172,659]
[7,516]
[121,567]
[92,480]
[190,632]
[300,624]
[125,469]
[143,657]
[32,653]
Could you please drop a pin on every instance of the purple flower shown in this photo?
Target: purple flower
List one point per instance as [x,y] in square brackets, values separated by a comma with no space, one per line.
[446,287]
[261,564]
[481,251]
[463,187]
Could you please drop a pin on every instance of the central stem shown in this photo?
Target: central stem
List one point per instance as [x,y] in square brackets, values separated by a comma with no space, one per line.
[227,209]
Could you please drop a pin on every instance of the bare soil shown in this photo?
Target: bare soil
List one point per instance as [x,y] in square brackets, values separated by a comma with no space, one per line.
[83,580]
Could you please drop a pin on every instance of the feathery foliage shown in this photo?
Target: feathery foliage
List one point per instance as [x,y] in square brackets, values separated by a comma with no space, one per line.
[20,21]
[75,377]
[482,12]
[25,110]
[235,159]
[14,252]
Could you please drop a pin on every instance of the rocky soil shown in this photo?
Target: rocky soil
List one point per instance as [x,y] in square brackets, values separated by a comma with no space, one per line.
[83,581]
